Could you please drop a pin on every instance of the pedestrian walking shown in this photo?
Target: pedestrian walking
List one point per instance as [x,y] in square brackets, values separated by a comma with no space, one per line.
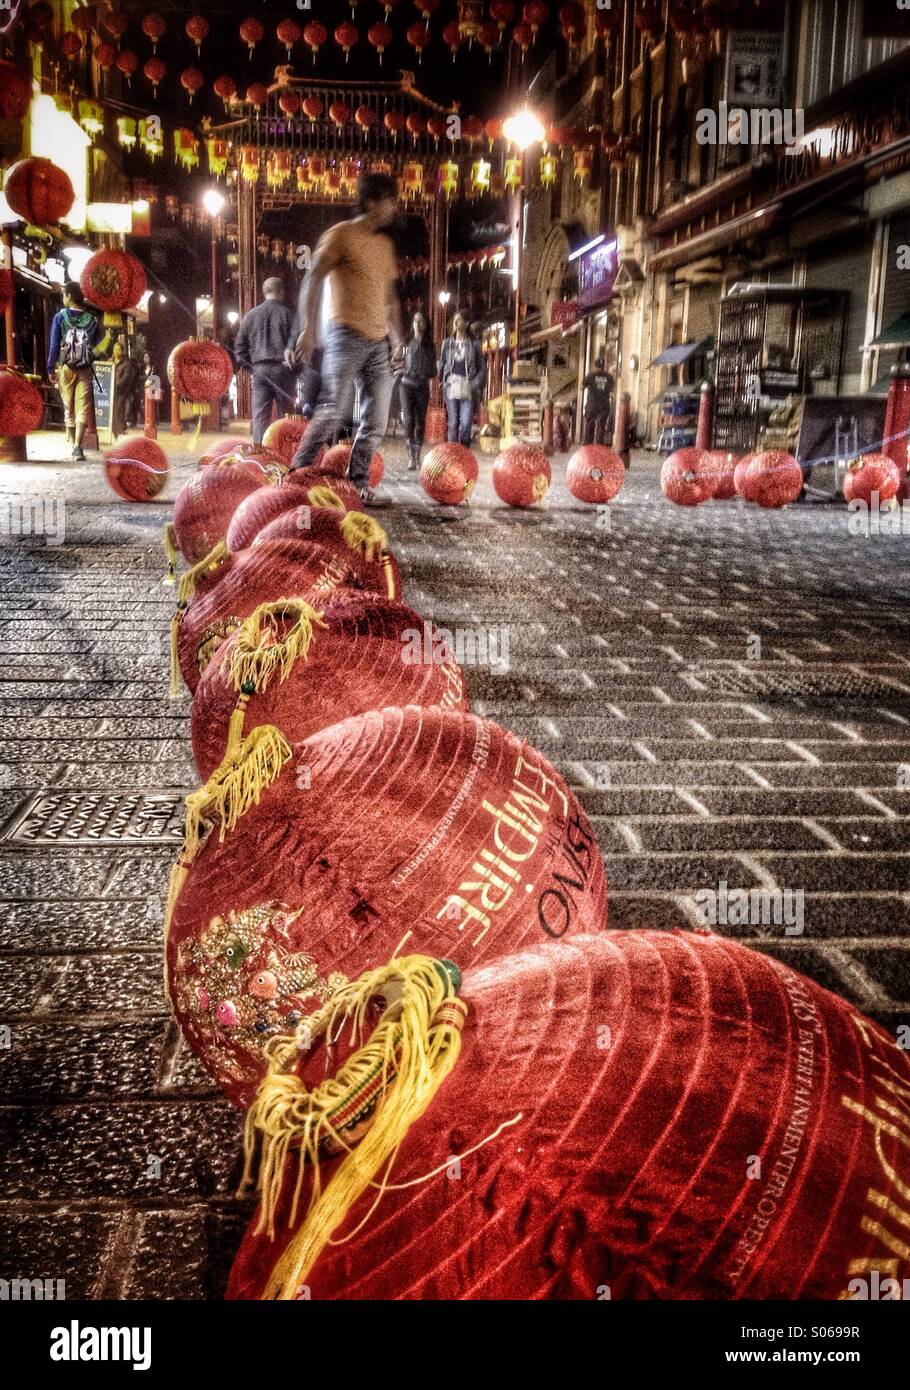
[76,338]
[418,368]
[463,372]
[358,260]
[265,336]
[598,414]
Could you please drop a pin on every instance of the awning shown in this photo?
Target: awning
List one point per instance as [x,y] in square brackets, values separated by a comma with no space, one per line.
[898,335]
[738,228]
[675,356]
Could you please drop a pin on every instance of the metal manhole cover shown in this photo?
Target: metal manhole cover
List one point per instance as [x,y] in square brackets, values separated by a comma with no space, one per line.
[824,685]
[98,818]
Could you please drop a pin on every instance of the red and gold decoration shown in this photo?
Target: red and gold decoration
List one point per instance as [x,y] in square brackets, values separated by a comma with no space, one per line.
[21,405]
[346,36]
[136,469]
[252,31]
[38,191]
[773,479]
[334,463]
[314,36]
[288,33]
[113,280]
[686,477]
[522,475]
[595,474]
[721,464]
[448,474]
[197,28]
[156,71]
[379,36]
[153,26]
[871,479]
[192,81]
[199,372]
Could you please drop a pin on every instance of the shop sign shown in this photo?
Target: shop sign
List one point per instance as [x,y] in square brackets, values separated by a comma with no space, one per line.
[754,63]
[849,138]
[597,271]
[563,313]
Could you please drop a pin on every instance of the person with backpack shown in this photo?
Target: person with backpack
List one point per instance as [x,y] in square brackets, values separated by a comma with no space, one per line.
[76,339]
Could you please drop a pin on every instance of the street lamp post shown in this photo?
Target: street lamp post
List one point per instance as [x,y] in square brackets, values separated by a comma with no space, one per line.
[522,130]
[213,202]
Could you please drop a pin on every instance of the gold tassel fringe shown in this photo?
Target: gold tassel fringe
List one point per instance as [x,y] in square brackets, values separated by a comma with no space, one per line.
[259,650]
[191,577]
[413,1048]
[170,551]
[175,656]
[236,785]
[324,496]
[363,533]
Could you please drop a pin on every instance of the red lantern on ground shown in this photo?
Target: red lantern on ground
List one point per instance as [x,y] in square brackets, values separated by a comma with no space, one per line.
[774,478]
[453,787]
[871,474]
[340,112]
[741,476]
[289,102]
[136,469]
[595,473]
[226,88]
[522,475]
[301,667]
[335,463]
[21,405]
[314,36]
[619,1176]
[346,36]
[197,28]
[113,280]
[38,191]
[283,436]
[204,506]
[15,92]
[721,464]
[218,450]
[380,36]
[313,107]
[418,36]
[191,80]
[288,33]
[156,71]
[685,478]
[252,31]
[448,473]
[153,26]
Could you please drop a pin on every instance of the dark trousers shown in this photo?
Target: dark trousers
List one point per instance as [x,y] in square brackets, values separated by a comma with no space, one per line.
[414,401]
[598,426]
[350,358]
[461,419]
[272,381]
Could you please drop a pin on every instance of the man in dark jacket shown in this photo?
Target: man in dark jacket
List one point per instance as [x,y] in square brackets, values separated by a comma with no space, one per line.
[263,338]
[598,404]
[75,341]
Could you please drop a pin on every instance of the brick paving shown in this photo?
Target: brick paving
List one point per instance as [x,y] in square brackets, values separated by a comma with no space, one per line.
[701,754]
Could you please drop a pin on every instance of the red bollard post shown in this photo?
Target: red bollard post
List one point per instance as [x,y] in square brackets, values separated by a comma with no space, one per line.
[176,426]
[897,423]
[13,449]
[151,416]
[623,422]
[704,430]
[548,444]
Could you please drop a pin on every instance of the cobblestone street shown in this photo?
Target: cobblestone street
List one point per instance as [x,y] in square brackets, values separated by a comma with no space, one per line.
[727,688]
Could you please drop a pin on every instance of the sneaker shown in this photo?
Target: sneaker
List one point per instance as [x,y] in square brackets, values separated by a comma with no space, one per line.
[371,498]
[78,454]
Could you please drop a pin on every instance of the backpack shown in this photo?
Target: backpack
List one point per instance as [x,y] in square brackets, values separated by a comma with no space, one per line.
[76,348]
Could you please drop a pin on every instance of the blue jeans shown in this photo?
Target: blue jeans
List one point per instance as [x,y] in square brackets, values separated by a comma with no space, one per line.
[461,419]
[350,358]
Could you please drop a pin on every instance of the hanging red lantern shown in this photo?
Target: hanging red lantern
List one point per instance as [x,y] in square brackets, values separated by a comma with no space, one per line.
[38,191]
[606,22]
[136,469]
[257,94]
[153,26]
[523,36]
[288,33]
[437,126]
[686,479]
[584,164]
[522,475]
[313,107]
[197,28]
[425,8]
[71,45]
[502,12]
[472,129]
[115,22]
[289,102]
[316,166]
[113,280]
[394,122]
[346,36]
[314,36]
[488,38]
[226,88]
[774,479]
[83,19]
[15,92]
[156,71]
[252,31]
[127,62]
[200,372]
[535,14]
[418,36]
[871,474]
[365,117]
[648,18]
[380,36]
[21,405]
[340,112]
[448,474]
[595,473]
[573,23]
[105,55]
[416,124]
[191,80]
[451,36]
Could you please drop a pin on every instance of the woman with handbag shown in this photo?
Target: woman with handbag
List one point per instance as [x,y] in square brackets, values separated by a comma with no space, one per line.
[463,371]
[418,368]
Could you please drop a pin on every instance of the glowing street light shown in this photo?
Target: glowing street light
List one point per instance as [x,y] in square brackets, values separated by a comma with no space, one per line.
[213,201]
[522,129]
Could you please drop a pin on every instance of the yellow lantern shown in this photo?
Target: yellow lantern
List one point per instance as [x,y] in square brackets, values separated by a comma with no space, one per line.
[333,183]
[480,175]
[350,171]
[126,132]
[584,162]
[186,148]
[448,178]
[249,163]
[150,137]
[303,178]
[413,180]
[91,117]
[217,154]
[548,167]
[317,167]
[513,174]
[381,166]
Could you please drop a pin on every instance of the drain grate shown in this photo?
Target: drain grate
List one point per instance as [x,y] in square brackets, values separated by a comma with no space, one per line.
[57,817]
[794,682]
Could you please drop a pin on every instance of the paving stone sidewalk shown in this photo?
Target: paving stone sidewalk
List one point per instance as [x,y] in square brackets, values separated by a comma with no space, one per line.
[728,690]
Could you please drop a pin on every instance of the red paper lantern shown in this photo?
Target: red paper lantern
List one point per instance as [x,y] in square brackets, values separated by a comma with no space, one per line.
[451,36]
[394,122]
[199,370]
[289,102]
[523,36]
[418,36]
[226,88]
[406,820]
[197,28]
[113,280]
[365,117]
[21,405]
[720,464]
[488,37]
[114,22]
[204,506]
[288,33]
[741,476]
[620,1175]
[314,36]
[335,463]
[283,436]
[437,127]
[136,469]
[522,475]
[253,461]
[606,22]
[324,489]
[573,23]
[71,45]
[425,8]
[318,516]
[595,473]
[493,129]
[38,191]
[352,663]
[218,450]
[83,19]
[191,80]
[448,473]
[380,36]
[340,112]
[685,479]
[257,94]
[502,12]
[153,26]
[105,55]
[156,71]
[416,124]
[252,31]
[346,36]
[127,62]
[873,473]
[471,129]
[774,478]
[15,92]
[535,14]
[313,107]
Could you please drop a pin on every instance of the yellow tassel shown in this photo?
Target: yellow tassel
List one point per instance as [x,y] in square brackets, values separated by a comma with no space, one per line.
[175,659]
[179,872]
[186,586]
[170,551]
[259,650]
[235,725]
[236,785]
[364,533]
[389,573]
[397,1072]
[323,496]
